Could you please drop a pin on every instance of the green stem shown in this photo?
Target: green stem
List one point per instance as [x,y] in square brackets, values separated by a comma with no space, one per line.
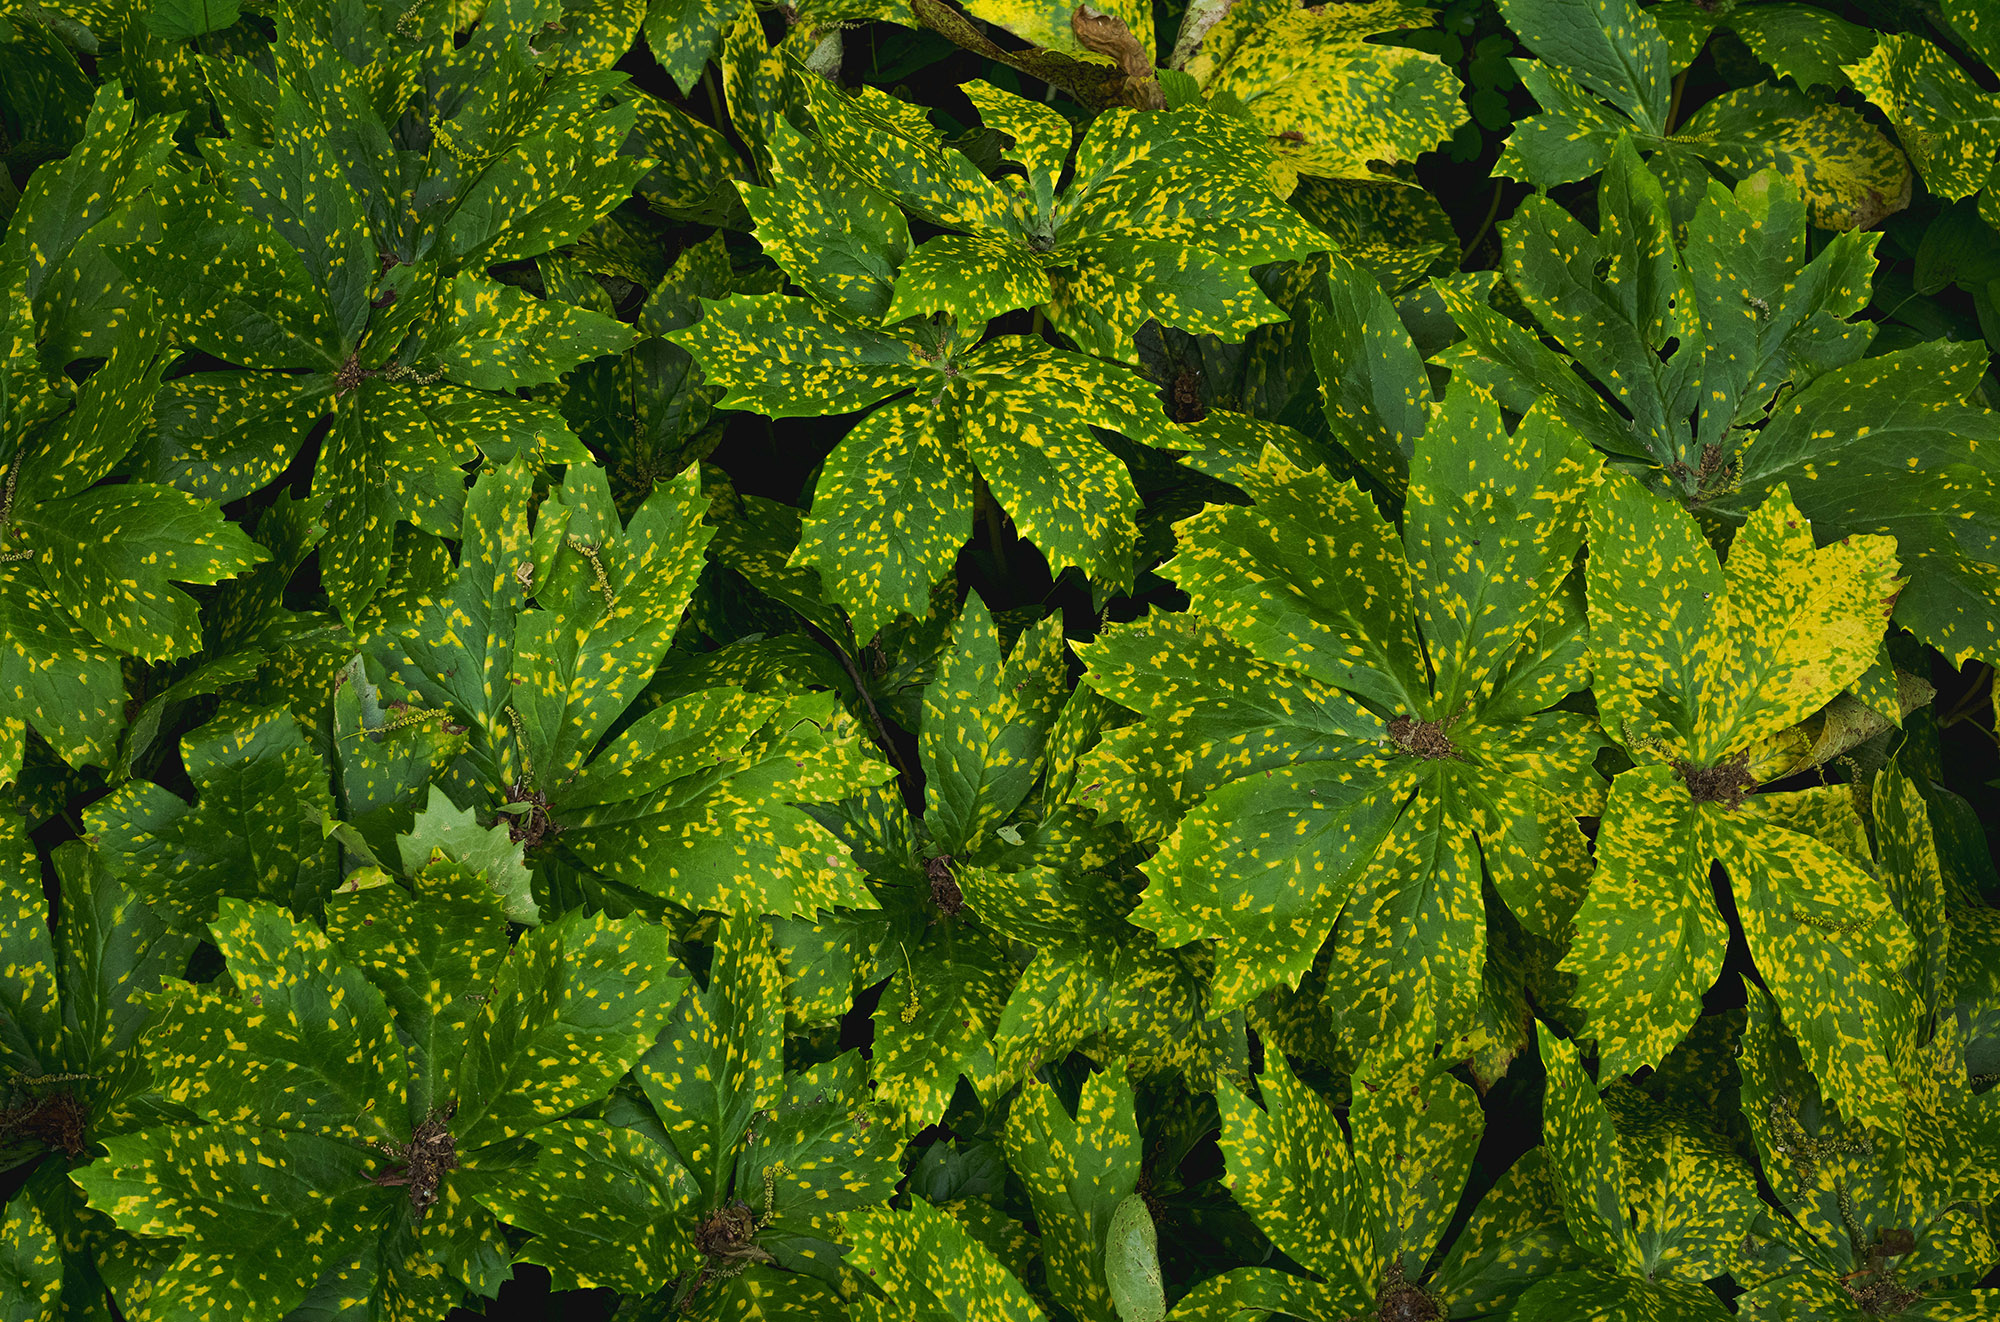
[1492,214]
[1674,103]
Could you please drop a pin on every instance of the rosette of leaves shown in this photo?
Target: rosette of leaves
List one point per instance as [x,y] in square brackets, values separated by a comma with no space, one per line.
[543,641]
[72,1003]
[1332,102]
[87,567]
[335,288]
[1656,1201]
[1696,665]
[1605,69]
[1877,1221]
[1364,1207]
[1347,711]
[894,503]
[1162,219]
[716,1175]
[1691,344]
[1002,931]
[355,1097]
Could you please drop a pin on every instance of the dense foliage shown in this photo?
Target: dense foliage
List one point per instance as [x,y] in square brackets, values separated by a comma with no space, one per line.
[1203,659]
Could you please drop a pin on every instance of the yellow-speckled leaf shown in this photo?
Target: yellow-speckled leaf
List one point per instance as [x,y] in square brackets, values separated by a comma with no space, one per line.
[1515,1236]
[1289,1166]
[891,509]
[1026,417]
[1491,528]
[496,337]
[576,1004]
[1048,23]
[1829,944]
[1077,1171]
[1690,1197]
[1822,932]
[1411,942]
[301,1042]
[793,357]
[928,1267]
[1795,625]
[610,599]
[719,1061]
[1041,135]
[1264,865]
[1611,48]
[245,836]
[936,1020]
[31,1264]
[699,802]
[1415,1131]
[1584,1162]
[1850,175]
[1852,1188]
[1310,578]
[30,1019]
[985,721]
[54,679]
[1947,125]
[839,239]
[1333,103]
[604,1206]
[892,145]
[260,1214]
[684,35]
[111,556]
[433,953]
[971,276]
[1648,940]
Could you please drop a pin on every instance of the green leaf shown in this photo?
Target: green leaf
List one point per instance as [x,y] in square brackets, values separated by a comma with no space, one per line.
[576,1004]
[1810,46]
[1163,220]
[1889,445]
[259,1214]
[925,1265]
[1596,1296]
[497,338]
[1372,384]
[1132,1263]
[111,555]
[938,1015]
[432,953]
[719,1061]
[1947,124]
[893,503]
[54,679]
[838,238]
[31,1276]
[1611,48]
[1849,174]
[1330,100]
[985,723]
[1078,1173]
[1364,1217]
[684,35]
[249,834]
[1869,1212]
[442,832]
[604,1206]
